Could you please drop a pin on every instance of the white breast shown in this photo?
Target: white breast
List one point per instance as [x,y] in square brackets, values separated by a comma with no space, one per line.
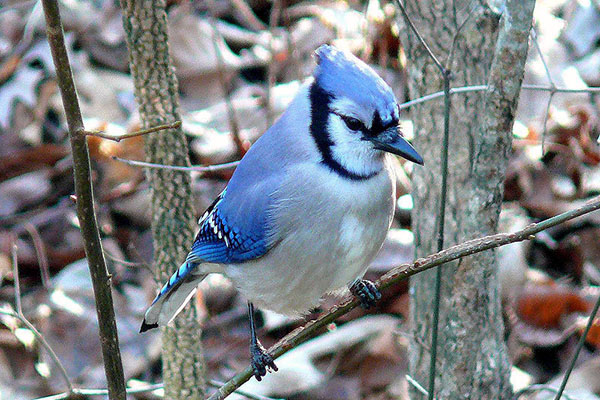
[352,231]
[328,231]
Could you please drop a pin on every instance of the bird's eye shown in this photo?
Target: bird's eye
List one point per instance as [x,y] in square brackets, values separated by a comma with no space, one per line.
[352,123]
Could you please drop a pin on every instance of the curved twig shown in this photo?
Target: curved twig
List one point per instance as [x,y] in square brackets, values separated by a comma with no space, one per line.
[401,273]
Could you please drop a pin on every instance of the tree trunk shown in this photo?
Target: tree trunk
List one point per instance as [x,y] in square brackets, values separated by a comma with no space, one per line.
[156,91]
[472,361]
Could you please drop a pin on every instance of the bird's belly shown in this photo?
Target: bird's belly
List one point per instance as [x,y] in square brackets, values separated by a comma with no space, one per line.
[296,273]
[327,230]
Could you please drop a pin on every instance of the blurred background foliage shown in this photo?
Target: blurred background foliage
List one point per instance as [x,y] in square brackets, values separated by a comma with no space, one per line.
[239,63]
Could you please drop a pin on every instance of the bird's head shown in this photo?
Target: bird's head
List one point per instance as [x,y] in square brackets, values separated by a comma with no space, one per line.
[354,115]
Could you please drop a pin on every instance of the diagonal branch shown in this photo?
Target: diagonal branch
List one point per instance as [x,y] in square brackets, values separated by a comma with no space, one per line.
[85,205]
[582,340]
[412,26]
[150,387]
[534,37]
[408,104]
[403,272]
[104,135]
[21,317]
[197,168]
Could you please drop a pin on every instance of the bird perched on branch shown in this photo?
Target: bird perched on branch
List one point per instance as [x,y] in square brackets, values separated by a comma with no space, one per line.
[308,207]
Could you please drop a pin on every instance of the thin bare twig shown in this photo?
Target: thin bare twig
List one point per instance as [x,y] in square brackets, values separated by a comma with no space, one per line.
[539,388]
[423,99]
[534,37]
[403,272]
[441,217]
[539,50]
[432,96]
[40,251]
[416,385]
[483,88]
[126,263]
[46,345]
[580,344]
[561,90]
[234,125]
[144,389]
[273,19]
[101,392]
[197,168]
[104,135]
[215,383]
[419,37]
[440,239]
[13,254]
[473,7]
[21,317]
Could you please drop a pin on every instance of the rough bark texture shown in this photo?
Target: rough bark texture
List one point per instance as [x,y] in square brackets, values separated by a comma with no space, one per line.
[156,86]
[472,362]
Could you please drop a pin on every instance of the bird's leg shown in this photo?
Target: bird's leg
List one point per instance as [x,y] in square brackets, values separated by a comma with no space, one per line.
[366,292]
[259,358]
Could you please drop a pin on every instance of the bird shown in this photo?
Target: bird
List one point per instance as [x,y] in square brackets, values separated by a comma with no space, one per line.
[309,205]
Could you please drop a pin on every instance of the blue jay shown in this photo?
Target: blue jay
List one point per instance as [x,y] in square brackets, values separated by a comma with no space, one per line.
[308,207]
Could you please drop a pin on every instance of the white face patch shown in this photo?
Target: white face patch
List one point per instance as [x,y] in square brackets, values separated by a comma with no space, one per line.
[349,149]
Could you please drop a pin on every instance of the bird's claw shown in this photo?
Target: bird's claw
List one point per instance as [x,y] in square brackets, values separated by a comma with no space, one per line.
[366,292]
[261,361]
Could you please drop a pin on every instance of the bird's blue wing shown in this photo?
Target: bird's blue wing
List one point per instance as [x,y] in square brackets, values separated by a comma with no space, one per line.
[232,230]
[224,240]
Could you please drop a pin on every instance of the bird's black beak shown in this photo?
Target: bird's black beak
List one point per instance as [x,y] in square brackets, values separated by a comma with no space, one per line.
[391,141]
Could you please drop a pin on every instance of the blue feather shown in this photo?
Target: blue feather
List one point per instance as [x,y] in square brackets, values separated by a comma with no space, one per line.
[226,236]
[178,277]
[341,75]
[218,241]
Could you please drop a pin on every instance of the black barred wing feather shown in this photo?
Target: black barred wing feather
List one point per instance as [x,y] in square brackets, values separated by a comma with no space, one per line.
[220,242]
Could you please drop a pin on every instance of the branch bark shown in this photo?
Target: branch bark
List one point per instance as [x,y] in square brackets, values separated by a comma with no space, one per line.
[156,92]
[109,339]
[403,272]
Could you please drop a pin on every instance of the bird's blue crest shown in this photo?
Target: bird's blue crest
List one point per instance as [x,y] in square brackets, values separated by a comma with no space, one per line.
[343,75]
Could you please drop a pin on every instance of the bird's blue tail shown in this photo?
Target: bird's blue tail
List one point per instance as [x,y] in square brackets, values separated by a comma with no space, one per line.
[173,296]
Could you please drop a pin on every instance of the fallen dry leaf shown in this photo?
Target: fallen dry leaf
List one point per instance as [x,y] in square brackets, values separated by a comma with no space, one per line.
[544,306]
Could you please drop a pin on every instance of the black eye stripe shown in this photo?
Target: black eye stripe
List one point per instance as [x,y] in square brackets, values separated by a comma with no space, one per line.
[355,124]
[379,126]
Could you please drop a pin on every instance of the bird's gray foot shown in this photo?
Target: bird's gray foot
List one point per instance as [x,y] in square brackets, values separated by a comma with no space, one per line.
[261,361]
[366,292]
